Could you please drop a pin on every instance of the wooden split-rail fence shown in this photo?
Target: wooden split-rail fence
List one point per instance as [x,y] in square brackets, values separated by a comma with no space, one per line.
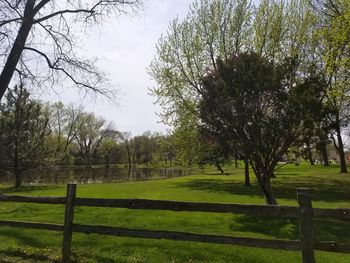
[304,212]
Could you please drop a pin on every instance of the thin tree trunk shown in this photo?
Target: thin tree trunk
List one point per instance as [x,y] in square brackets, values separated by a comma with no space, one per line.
[218,166]
[246,173]
[17,171]
[309,154]
[129,155]
[264,181]
[18,177]
[236,163]
[269,196]
[17,48]
[324,155]
[107,160]
[263,176]
[343,168]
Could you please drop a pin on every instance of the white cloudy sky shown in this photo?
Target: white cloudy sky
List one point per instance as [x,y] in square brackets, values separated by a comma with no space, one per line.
[125,47]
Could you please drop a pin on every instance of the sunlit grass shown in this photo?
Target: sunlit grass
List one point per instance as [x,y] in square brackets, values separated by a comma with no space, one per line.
[328,188]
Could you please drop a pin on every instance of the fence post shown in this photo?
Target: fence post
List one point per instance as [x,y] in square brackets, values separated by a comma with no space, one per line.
[306,225]
[68,222]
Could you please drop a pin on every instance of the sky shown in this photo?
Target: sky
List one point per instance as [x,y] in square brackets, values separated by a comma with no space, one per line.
[124,47]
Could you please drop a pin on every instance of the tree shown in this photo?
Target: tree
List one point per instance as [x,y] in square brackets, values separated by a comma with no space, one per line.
[42,31]
[57,125]
[125,138]
[334,52]
[257,101]
[109,148]
[24,127]
[315,127]
[167,149]
[212,29]
[213,152]
[92,132]
[274,29]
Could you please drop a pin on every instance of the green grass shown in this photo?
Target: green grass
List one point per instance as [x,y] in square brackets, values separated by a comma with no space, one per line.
[329,189]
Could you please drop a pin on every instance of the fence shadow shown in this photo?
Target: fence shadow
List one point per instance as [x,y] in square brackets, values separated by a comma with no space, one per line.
[27,188]
[281,228]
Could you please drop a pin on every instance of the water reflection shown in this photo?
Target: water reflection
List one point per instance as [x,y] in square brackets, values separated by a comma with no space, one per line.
[92,175]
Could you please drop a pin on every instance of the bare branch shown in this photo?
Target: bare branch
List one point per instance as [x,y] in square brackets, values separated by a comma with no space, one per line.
[80,65]
[4,22]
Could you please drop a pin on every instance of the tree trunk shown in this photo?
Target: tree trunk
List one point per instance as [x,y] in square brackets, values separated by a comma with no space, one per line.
[267,189]
[343,168]
[129,155]
[264,180]
[263,177]
[218,166]
[324,155]
[18,177]
[17,48]
[246,173]
[107,160]
[309,153]
[236,163]
[17,171]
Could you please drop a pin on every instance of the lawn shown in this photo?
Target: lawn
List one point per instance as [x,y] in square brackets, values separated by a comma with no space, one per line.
[329,189]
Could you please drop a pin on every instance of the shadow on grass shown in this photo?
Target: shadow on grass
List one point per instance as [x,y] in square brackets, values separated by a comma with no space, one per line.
[283,228]
[332,230]
[26,189]
[321,190]
[20,236]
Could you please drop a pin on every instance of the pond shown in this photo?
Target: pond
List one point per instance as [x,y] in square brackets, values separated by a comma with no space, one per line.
[85,175]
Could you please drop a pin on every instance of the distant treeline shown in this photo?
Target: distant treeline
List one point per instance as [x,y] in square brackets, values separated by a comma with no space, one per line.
[36,134]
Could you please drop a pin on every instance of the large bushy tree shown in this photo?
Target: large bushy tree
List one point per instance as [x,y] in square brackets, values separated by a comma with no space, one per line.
[251,99]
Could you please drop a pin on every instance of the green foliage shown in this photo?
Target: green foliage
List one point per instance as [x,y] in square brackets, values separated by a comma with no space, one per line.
[24,127]
[333,38]
[217,29]
[259,106]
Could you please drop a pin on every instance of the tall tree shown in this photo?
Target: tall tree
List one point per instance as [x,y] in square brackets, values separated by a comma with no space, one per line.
[92,132]
[42,31]
[274,29]
[24,126]
[334,52]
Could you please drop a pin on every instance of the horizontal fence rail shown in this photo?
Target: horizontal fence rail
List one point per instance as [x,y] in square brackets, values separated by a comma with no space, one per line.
[304,212]
[343,214]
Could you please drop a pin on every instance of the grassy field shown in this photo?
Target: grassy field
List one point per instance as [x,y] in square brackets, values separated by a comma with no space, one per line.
[329,189]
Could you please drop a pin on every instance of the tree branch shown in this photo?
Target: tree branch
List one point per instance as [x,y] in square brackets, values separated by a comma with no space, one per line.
[65,72]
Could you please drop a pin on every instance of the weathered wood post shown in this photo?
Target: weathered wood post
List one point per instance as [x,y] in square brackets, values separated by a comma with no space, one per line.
[68,222]
[306,225]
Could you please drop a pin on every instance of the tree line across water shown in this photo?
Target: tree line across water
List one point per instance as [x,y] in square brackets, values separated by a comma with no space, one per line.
[36,134]
[39,134]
